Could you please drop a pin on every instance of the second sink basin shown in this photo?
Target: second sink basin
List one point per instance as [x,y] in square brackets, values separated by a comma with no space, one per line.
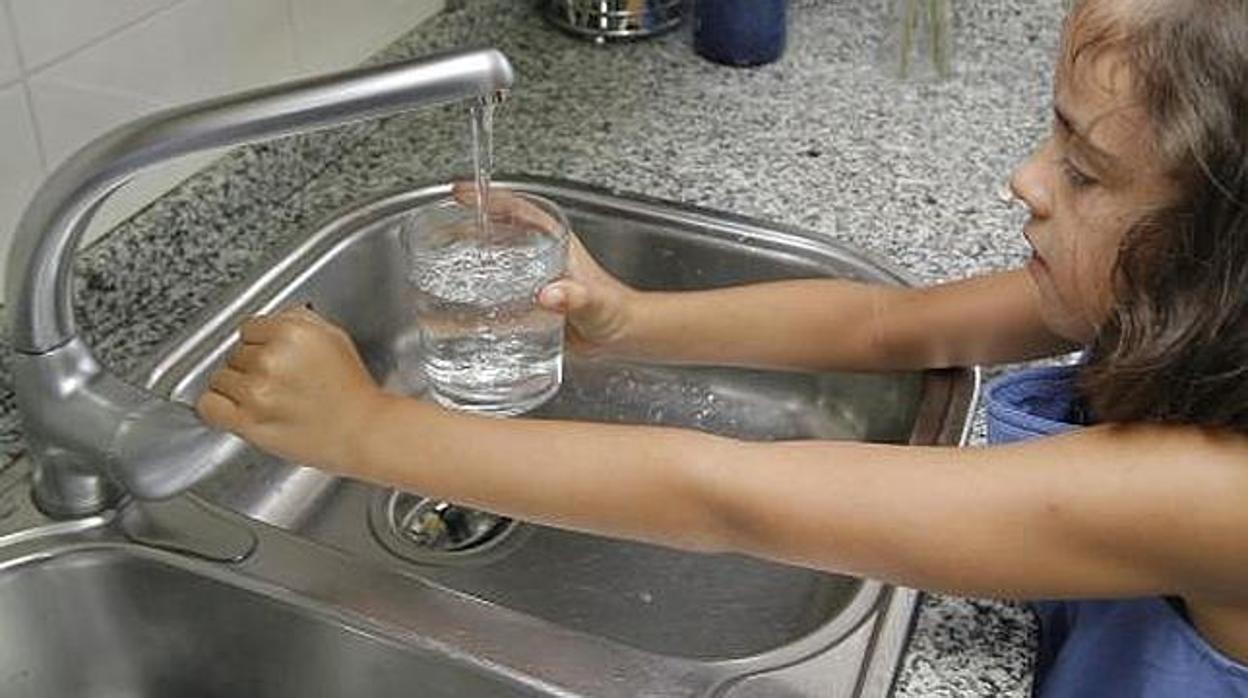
[113,621]
[759,621]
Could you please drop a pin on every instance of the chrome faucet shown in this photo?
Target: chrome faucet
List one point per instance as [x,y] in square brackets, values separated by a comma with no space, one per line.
[93,436]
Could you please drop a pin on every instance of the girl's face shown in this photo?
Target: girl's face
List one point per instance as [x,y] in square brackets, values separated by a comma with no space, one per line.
[1086,184]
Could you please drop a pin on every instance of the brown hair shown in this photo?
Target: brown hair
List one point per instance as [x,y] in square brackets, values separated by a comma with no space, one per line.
[1175,345]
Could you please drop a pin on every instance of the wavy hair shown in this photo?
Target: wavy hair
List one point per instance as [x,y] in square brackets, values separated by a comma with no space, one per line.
[1174,348]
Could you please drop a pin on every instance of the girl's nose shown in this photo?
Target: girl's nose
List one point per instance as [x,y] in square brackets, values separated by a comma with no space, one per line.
[1029,185]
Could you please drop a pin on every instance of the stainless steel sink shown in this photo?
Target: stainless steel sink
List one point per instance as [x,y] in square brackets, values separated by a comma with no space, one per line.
[91,614]
[123,622]
[331,598]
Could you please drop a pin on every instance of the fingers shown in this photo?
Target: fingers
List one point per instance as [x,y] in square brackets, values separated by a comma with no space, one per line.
[564,296]
[259,329]
[268,340]
[465,193]
[250,358]
[278,373]
[507,206]
[218,411]
[233,385]
[263,329]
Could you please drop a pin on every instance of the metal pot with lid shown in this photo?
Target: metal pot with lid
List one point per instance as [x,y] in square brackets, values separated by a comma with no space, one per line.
[608,20]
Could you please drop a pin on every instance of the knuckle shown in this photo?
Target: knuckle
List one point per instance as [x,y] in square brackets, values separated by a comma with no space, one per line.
[257,404]
[252,326]
[217,381]
[293,331]
[245,392]
[262,401]
[265,363]
[270,366]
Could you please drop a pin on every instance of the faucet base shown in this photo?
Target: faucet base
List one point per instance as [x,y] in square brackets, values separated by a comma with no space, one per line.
[62,493]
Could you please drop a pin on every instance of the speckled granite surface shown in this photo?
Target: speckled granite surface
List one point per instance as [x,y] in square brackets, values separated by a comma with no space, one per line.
[821,139]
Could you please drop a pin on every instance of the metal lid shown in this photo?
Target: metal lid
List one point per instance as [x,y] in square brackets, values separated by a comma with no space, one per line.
[603,20]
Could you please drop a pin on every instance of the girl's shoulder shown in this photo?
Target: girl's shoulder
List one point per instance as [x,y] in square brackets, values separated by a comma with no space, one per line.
[1188,490]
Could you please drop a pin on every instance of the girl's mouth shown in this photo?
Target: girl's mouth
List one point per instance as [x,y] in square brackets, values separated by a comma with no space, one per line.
[1036,263]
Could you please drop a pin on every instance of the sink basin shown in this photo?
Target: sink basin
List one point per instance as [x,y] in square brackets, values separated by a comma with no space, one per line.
[534,610]
[112,621]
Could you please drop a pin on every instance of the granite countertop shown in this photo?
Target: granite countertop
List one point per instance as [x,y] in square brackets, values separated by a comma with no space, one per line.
[822,139]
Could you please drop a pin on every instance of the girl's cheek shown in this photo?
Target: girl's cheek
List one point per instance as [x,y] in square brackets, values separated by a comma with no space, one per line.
[1098,273]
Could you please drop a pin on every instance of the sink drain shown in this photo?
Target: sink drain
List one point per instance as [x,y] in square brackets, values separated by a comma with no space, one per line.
[434,531]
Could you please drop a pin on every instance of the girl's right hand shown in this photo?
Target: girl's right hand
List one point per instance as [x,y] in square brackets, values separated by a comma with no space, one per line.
[597,305]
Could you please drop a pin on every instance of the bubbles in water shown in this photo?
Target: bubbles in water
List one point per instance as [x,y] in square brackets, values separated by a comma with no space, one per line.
[487,345]
[475,272]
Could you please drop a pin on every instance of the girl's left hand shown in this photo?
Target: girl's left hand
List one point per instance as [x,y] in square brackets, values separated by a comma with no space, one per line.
[294,386]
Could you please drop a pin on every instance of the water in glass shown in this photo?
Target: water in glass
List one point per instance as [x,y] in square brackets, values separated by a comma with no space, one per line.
[487,346]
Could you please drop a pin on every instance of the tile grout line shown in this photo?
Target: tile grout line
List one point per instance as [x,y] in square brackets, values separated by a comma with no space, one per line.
[102,37]
[40,139]
[36,126]
[6,6]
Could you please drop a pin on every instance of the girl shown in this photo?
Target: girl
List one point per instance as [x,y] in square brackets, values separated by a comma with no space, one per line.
[1128,487]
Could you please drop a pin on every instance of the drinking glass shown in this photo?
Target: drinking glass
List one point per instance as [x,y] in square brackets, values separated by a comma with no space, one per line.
[486,345]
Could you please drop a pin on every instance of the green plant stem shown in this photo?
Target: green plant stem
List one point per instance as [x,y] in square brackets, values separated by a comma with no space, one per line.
[938,13]
[909,24]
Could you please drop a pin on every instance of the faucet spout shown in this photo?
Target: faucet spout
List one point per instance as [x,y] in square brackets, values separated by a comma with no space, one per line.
[93,436]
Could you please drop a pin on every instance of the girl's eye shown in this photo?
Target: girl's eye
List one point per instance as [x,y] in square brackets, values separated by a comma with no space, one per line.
[1078,178]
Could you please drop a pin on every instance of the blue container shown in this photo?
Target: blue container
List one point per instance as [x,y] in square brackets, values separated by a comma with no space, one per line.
[739,32]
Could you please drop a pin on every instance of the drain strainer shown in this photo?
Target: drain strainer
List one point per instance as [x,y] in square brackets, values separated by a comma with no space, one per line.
[426,530]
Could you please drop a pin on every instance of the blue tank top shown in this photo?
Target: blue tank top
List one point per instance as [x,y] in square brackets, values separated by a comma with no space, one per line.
[1142,648]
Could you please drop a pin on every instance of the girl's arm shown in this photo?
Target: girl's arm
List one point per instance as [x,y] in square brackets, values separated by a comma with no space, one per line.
[842,325]
[1107,511]
[814,324]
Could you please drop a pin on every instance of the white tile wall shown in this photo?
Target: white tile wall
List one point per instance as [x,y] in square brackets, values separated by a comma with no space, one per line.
[70,114]
[21,168]
[355,28]
[72,69]
[10,68]
[194,49]
[49,29]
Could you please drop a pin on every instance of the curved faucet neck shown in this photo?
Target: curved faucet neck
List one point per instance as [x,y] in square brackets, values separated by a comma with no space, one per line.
[154,448]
